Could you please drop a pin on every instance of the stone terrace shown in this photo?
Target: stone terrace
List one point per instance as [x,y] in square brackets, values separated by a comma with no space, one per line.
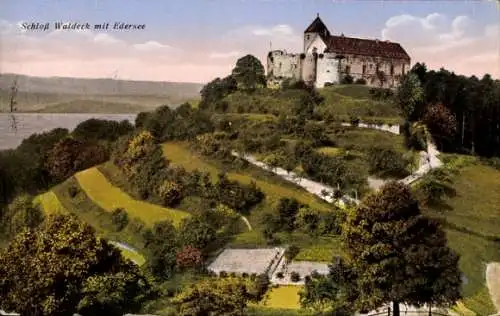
[246,260]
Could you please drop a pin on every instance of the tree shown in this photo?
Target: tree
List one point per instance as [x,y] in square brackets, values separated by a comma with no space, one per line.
[440,122]
[409,95]
[291,252]
[119,218]
[162,244]
[398,254]
[189,257]
[221,296]
[70,155]
[386,162]
[20,214]
[287,211]
[97,130]
[196,233]
[308,220]
[43,272]
[249,73]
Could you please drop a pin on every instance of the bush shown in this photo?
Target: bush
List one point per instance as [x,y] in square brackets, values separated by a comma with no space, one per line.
[360,81]
[347,79]
[253,276]
[294,276]
[223,274]
[244,275]
[119,218]
[73,191]
[386,162]
[232,274]
[291,252]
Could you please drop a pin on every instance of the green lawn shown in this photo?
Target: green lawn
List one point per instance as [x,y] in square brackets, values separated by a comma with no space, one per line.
[473,221]
[361,139]
[331,151]
[104,194]
[354,100]
[49,203]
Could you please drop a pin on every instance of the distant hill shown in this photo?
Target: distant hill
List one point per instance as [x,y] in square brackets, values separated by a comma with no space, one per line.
[78,95]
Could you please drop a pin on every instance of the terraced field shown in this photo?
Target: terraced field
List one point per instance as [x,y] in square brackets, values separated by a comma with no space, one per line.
[49,203]
[108,197]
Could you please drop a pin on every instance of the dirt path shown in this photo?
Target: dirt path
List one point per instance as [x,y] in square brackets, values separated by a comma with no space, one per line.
[247,222]
[493,282]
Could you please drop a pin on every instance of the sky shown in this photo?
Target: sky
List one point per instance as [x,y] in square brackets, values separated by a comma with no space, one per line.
[199,40]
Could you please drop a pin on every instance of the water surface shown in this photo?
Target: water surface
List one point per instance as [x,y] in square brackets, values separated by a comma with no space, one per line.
[30,123]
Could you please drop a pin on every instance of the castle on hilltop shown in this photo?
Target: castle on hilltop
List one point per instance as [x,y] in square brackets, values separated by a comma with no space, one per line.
[327,59]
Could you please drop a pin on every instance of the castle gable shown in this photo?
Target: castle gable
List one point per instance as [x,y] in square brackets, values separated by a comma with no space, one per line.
[367,47]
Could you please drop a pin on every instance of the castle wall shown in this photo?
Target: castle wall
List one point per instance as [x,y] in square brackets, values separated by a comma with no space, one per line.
[309,68]
[327,70]
[281,65]
[353,65]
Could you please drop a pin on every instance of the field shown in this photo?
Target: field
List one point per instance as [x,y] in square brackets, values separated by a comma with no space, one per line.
[49,203]
[473,218]
[283,297]
[104,194]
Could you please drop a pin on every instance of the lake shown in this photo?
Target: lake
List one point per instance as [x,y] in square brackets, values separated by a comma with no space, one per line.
[30,123]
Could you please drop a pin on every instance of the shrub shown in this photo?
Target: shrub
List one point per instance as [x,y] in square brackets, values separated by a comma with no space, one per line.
[291,252]
[347,79]
[294,276]
[259,287]
[119,218]
[253,276]
[244,275]
[223,274]
[170,193]
[188,257]
[328,84]
[73,191]
[232,274]
[360,81]
[386,162]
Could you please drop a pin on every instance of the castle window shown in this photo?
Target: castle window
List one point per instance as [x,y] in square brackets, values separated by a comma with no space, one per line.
[348,69]
[308,37]
[403,69]
[364,69]
[279,65]
[392,70]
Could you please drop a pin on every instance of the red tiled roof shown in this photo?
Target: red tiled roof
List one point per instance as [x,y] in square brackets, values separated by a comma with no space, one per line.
[367,47]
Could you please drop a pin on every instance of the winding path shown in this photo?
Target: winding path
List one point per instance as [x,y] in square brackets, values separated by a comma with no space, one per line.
[428,161]
[247,222]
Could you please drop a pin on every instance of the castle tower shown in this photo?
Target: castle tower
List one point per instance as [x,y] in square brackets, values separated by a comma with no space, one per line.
[317,28]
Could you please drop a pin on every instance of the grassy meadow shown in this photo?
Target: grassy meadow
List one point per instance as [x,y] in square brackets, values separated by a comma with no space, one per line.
[472,218]
[104,194]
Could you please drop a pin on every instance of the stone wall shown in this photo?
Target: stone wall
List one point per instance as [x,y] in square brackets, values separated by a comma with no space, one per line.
[395,129]
[366,67]
[327,70]
[281,65]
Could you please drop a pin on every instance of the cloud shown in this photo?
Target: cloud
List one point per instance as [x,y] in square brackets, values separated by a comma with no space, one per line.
[282,29]
[457,43]
[230,54]
[151,46]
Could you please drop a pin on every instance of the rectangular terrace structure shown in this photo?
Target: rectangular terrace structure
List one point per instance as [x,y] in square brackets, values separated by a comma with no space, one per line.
[247,261]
